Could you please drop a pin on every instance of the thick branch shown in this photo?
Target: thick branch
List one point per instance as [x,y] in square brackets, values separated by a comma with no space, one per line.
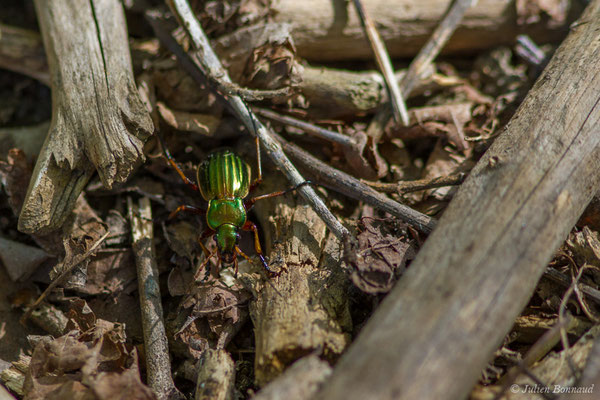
[331,31]
[98,121]
[438,328]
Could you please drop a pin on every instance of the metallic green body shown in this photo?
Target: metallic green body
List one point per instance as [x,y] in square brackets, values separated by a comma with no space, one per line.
[224,181]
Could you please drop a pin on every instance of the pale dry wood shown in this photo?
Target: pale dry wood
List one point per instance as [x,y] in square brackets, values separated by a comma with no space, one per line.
[305,310]
[5,394]
[98,120]
[435,331]
[299,382]
[331,31]
[384,63]
[158,365]
[22,51]
[216,376]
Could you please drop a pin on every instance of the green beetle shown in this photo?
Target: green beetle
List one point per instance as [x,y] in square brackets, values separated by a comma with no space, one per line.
[223,180]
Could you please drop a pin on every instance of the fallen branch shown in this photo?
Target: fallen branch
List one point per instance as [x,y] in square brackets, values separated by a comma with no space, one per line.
[156,345]
[436,330]
[299,382]
[98,123]
[384,63]
[402,187]
[330,30]
[216,376]
[347,185]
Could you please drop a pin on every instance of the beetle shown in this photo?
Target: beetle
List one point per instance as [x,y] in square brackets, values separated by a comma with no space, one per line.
[223,180]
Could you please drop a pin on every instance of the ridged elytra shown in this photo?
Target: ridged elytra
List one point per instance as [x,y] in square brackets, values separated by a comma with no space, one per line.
[224,181]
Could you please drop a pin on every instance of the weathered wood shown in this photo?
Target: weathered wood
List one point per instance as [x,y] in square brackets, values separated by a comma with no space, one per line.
[433,334]
[216,376]
[22,51]
[299,382]
[98,120]
[331,31]
[305,309]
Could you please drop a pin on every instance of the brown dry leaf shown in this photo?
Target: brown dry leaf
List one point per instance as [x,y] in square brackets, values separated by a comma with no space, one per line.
[182,238]
[92,361]
[530,11]
[13,173]
[260,56]
[110,273]
[384,252]
[217,307]
[585,246]
[204,124]
[447,121]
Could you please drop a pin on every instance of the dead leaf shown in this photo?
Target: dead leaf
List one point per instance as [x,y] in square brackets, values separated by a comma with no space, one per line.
[383,253]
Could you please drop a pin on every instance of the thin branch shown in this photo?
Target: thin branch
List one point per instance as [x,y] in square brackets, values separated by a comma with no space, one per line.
[341,182]
[385,65]
[402,187]
[66,272]
[207,62]
[155,338]
[536,352]
[562,279]
[428,53]
[309,128]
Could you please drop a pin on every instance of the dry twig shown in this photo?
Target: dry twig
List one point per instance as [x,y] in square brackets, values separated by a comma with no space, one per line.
[423,60]
[384,63]
[155,338]
[402,187]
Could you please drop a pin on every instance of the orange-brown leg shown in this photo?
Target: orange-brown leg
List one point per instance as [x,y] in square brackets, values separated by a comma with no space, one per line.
[191,209]
[176,166]
[250,226]
[207,232]
[202,266]
[249,203]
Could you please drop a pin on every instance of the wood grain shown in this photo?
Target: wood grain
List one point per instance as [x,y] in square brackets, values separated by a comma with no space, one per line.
[331,31]
[98,120]
[439,326]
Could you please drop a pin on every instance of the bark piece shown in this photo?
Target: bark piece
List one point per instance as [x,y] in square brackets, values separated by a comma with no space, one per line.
[331,31]
[436,330]
[305,310]
[299,382]
[99,122]
[216,376]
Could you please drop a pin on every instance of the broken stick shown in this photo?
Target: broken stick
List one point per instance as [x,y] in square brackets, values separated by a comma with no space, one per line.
[98,120]
[436,330]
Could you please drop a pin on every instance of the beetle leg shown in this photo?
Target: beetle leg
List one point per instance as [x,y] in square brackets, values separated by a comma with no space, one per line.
[235,266]
[202,266]
[251,226]
[207,232]
[192,209]
[249,203]
[176,166]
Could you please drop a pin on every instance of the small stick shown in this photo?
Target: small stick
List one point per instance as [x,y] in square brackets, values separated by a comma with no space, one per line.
[309,128]
[402,187]
[384,63]
[537,351]
[206,61]
[155,337]
[216,376]
[71,264]
[428,53]
[349,186]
